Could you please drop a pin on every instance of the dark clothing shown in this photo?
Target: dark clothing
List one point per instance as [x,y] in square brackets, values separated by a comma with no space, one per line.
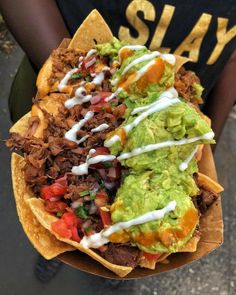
[136,21]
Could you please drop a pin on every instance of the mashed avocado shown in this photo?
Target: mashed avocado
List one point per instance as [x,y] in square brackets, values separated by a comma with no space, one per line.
[156,178]
[145,192]
[110,49]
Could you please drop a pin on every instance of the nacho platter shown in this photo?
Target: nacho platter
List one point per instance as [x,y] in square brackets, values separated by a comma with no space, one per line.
[38,223]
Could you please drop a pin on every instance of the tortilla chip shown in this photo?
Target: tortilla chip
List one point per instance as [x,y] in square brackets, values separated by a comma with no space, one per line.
[191,246]
[22,125]
[93,30]
[43,241]
[46,219]
[180,61]
[208,183]
[42,79]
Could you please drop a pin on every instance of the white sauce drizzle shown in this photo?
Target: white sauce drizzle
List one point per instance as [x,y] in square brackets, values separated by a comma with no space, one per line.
[65,80]
[156,146]
[170,93]
[100,128]
[184,165]
[159,105]
[83,168]
[90,52]
[101,238]
[98,79]
[132,47]
[79,98]
[90,63]
[72,133]
[113,94]
[140,59]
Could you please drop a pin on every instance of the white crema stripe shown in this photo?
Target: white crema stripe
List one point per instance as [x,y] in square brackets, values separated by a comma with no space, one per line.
[65,80]
[132,47]
[83,168]
[72,133]
[100,128]
[184,165]
[79,98]
[101,238]
[159,105]
[138,60]
[98,79]
[90,52]
[169,143]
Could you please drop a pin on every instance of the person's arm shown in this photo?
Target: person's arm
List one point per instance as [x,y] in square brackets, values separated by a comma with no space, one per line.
[37,26]
[222,98]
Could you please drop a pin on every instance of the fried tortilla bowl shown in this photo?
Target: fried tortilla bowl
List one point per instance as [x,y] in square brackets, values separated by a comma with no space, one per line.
[36,221]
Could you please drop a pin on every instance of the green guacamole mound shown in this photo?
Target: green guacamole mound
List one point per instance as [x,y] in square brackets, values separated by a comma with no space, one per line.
[110,49]
[145,192]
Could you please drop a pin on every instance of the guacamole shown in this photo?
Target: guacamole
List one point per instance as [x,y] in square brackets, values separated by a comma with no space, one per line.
[156,177]
[149,191]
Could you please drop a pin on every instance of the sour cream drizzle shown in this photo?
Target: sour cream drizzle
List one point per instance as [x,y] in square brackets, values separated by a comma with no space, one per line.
[169,143]
[113,94]
[184,165]
[132,47]
[83,168]
[101,238]
[140,59]
[100,128]
[67,77]
[72,133]
[90,53]
[163,103]
[79,98]
[98,78]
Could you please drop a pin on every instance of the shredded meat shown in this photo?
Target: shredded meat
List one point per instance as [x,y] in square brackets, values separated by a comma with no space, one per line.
[204,200]
[63,61]
[184,81]
[122,254]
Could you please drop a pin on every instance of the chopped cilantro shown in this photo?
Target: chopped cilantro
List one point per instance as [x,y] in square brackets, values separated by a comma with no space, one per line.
[103,108]
[77,76]
[92,195]
[82,212]
[107,164]
[84,193]
[113,104]
[129,103]
[89,228]
[87,78]
[59,214]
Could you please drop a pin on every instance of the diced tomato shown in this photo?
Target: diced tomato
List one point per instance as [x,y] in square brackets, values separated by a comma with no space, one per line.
[150,256]
[105,94]
[119,111]
[58,190]
[60,227]
[101,107]
[57,206]
[105,216]
[70,219]
[75,235]
[101,150]
[46,193]
[101,199]
[53,191]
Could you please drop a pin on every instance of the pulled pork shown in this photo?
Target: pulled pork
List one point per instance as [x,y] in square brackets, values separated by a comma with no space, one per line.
[184,81]
[122,254]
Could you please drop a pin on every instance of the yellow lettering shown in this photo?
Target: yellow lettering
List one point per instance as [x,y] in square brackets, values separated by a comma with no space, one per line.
[161,29]
[131,14]
[192,43]
[223,37]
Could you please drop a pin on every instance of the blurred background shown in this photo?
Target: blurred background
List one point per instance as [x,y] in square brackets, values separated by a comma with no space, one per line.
[214,274]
